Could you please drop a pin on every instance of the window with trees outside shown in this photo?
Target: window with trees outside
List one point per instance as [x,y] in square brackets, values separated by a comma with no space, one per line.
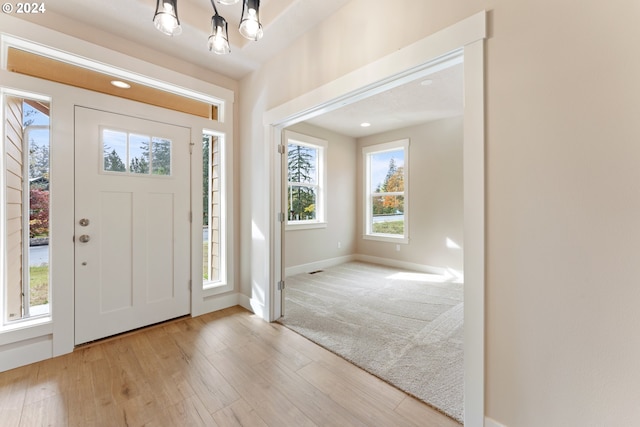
[386,189]
[305,180]
[25,212]
[135,154]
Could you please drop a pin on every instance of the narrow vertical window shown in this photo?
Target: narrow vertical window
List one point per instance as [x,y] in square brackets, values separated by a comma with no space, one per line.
[305,180]
[212,211]
[26,195]
[386,204]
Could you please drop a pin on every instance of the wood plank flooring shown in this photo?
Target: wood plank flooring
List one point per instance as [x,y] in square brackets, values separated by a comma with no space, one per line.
[228,368]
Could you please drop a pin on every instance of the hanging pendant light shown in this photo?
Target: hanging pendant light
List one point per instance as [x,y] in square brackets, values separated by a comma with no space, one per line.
[166,17]
[250,26]
[166,20]
[219,38]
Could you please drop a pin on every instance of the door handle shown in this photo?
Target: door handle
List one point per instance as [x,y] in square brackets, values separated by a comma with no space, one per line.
[84,238]
[84,222]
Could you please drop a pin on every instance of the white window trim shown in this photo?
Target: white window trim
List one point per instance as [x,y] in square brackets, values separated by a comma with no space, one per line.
[321,210]
[378,148]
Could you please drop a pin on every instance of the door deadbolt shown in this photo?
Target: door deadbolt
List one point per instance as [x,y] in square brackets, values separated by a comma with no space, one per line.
[84,222]
[84,238]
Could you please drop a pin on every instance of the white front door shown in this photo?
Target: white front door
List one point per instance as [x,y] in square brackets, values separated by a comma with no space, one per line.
[132,225]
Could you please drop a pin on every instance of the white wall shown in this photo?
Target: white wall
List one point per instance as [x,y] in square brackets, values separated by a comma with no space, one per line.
[311,245]
[435,196]
[562,196]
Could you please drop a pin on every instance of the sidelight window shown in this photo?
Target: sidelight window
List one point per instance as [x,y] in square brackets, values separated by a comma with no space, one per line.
[25,206]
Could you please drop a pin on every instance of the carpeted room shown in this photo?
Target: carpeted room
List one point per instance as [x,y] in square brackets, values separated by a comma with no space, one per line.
[393,308]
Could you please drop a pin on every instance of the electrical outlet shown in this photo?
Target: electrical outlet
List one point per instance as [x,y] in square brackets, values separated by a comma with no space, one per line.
[398,248]
[339,245]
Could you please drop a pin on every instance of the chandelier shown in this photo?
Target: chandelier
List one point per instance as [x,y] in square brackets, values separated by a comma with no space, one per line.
[166,20]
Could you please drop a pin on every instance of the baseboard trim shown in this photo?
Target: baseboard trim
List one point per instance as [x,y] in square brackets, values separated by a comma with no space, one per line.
[488,422]
[317,265]
[26,352]
[423,268]
[447,273]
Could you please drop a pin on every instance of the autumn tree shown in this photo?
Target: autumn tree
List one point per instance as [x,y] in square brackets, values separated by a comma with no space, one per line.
[393,182]
[39,212]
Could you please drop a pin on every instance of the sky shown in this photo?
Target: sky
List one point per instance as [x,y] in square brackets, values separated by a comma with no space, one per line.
[380,165]
[37,136]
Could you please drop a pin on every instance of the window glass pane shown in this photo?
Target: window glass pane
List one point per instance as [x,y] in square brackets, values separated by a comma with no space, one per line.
[302,162]
[387,170]
[302,203]
[26,202]
[388,214]
[114,150]
[139,153]
[211,210]
[161,156]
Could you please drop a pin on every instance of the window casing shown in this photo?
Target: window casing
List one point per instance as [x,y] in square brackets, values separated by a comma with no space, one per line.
[386,213]
[306,181]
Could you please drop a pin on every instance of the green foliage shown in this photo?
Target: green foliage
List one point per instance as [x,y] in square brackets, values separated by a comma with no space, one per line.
[39,285]
[389,227]
[139,165]
[112,161]
[301,168]
[161,156]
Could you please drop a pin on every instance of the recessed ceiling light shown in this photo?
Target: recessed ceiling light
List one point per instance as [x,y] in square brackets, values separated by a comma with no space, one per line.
[427,82]
[365,124]
[120,84]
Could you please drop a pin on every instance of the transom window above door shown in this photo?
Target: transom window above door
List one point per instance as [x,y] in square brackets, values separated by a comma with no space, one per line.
[135,154]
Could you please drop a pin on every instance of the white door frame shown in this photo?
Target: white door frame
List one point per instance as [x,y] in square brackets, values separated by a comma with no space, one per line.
[466,37]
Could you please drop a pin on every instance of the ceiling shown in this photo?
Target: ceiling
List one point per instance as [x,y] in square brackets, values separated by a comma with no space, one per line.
[283,21]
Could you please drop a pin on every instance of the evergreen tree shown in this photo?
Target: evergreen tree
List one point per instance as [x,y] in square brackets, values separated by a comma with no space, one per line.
[301,170]
[112,161]
[161,156]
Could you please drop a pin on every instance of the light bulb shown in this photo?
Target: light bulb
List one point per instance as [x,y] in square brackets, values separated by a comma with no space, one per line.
[166,20]
[250,27]
[217,42]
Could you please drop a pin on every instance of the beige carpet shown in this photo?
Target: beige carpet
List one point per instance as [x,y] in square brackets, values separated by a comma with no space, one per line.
[401,326]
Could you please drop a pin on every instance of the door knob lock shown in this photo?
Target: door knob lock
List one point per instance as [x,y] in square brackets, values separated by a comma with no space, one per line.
[84,238]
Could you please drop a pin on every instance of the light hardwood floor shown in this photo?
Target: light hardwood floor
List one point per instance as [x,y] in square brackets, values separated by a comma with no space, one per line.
[228,368]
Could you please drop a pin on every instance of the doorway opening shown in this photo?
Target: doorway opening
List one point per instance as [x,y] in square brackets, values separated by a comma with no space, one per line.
[413,62]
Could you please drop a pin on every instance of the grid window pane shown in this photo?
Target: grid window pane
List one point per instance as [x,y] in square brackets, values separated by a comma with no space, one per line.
[302,203]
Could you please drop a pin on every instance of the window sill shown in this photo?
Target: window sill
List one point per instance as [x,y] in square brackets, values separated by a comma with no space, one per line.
[386,238]
[216,288]
[305,226]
